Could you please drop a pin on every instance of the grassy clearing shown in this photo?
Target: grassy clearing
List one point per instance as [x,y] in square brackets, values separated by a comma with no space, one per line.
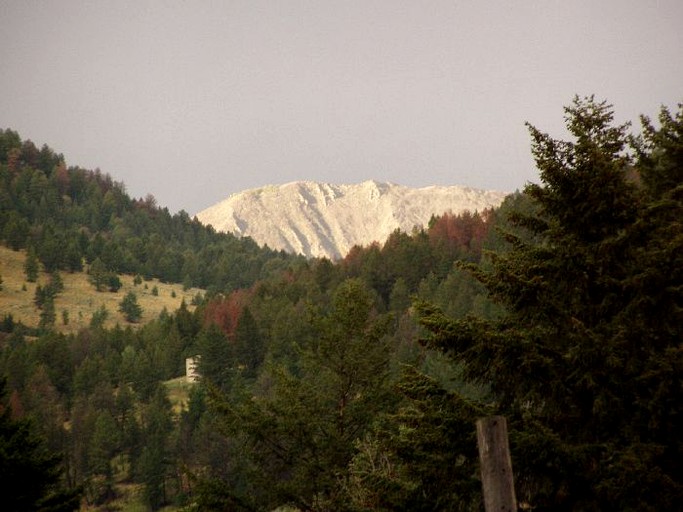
[79,298]
[81,301]
[178,393]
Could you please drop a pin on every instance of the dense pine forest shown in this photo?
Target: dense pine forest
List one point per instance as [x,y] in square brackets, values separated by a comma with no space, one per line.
[355,385]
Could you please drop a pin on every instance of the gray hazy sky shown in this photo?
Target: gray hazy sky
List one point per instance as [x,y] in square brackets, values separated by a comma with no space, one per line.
[194,100]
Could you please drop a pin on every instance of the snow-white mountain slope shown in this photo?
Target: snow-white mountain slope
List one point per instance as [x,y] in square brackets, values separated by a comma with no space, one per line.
[319,219]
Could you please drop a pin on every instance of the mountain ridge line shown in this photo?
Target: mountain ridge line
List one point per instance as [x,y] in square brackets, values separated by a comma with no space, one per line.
[319,219]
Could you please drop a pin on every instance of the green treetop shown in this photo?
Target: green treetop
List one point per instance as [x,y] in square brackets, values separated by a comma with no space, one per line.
[585,359]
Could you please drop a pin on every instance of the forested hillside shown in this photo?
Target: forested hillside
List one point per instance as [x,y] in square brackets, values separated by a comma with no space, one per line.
[355,385]
[112,402]
[71,216]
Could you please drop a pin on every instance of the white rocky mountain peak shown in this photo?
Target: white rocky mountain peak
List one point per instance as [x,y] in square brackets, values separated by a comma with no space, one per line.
[320,219]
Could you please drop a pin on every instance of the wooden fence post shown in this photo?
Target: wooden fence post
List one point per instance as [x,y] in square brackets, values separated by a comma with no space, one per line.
[496,466]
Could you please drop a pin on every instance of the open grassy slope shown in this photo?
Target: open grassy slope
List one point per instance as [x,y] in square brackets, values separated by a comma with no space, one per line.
[79,298]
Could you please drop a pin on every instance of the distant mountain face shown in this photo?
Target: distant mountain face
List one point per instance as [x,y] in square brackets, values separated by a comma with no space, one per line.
[319,219]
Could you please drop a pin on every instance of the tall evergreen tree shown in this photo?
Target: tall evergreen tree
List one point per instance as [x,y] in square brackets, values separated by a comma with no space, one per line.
[98,274]
[130,308]
[216,357]
[421,457]
[585,359]
[249,347]
[153,463]
[298,432]
[30,475]
[31,265]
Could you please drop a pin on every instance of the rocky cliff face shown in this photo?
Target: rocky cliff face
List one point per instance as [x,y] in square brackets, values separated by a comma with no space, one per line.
[319,219]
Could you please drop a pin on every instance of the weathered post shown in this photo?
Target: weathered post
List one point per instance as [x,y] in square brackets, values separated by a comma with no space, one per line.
[496,466]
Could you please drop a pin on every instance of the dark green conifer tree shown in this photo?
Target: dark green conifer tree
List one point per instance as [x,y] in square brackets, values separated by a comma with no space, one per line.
[130,308]
[153,464]
[30,475]
[98,274]
[249,346]
[585,359]
[47,314]
[31,265]
[297,435]
[216,357]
